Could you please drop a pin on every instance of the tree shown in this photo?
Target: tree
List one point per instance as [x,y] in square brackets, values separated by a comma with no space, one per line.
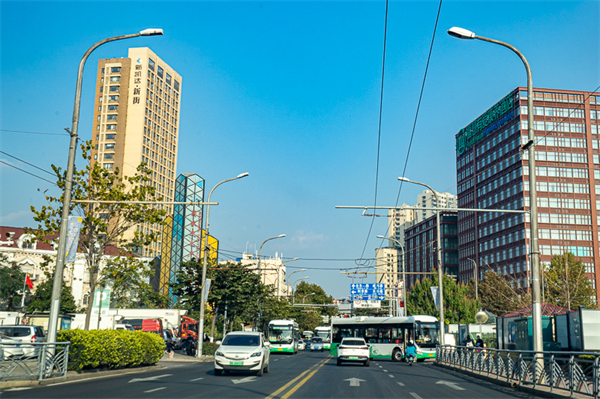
[566,284]
[311,317]
[458,306]
[104,225]
[11,282]
[42,297]
[496,294]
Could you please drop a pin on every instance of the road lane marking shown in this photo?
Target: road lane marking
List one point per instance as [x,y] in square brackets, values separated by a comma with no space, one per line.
[354,382]
[414,395]
[156,377]
[450,384]
[380,367]
[18,389]
[298,385]
[385,371]
[286,386]
[391,375]
[244,380]
[155,389]
[196,379]
[401,384]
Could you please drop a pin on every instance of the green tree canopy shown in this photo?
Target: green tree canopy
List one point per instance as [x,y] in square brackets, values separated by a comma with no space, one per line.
[566,284]
[310,317]
[458,306]
[42,297]
[496,294]
[11,282]
[104,224]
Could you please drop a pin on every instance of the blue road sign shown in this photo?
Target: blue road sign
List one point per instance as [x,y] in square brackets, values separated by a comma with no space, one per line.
[367,291]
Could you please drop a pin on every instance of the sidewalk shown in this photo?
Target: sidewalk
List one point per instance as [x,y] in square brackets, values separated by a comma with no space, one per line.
[181,356]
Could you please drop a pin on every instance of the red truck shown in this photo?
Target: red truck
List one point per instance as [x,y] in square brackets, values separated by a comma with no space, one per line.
[153,325]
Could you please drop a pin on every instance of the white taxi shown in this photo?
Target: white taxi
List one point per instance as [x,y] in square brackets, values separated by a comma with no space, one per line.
[243,351]
[353,350]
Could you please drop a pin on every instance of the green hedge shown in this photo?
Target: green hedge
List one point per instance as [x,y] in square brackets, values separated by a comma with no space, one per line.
[113,349]
[208,348]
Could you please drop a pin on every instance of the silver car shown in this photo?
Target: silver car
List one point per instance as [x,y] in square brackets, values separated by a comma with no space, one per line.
[9,347]
[243,351]
[28,336]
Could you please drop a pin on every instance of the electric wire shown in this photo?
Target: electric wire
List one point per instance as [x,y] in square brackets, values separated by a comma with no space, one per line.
[26,132]
[27,163]
[29,173]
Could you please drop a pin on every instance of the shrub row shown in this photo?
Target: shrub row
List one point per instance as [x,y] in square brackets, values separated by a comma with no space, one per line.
[209,348]
[113,349]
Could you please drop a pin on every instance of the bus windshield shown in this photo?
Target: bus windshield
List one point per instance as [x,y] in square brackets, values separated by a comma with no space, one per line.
[323,334]
[427,334]
[281,334]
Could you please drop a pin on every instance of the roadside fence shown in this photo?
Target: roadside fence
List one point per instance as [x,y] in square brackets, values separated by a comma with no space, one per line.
[31,361]
[572,372]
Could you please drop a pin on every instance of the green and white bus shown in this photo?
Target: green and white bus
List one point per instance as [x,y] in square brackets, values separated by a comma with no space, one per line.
[325,333]
[283,336]
[387,336]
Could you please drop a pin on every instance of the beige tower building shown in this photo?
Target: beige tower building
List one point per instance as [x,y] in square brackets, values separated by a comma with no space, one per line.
[136,119]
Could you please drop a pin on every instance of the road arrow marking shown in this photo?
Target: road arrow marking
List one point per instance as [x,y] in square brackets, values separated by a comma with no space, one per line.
[156,377]
[243,380]
[450,384]
[401,384]
[354,382]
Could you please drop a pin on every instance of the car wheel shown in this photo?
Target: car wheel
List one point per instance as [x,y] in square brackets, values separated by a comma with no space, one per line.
[397,355]
[367,363]
[339,362]
[266,369]
[218,372]
[259,373]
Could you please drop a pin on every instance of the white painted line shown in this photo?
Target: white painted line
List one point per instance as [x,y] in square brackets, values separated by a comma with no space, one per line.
[385,371]
[414,395]
[198,379]
[380,367]
[155,389]
[92,378]
[156,377]
[18,389]
[391,375]
[401,384]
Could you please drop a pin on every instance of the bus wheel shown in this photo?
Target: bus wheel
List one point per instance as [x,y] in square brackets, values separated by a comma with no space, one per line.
[397,355]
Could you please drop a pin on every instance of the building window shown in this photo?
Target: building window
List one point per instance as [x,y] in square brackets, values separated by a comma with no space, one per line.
[115,69]
[111,127]
[110,136]
[115,78]
[110,155]
[113,98]
[109,146]
[114,88]
[160,72]
[113,107]
[108,166]
[150,64]
[176,85]
[168,79]
[111,117]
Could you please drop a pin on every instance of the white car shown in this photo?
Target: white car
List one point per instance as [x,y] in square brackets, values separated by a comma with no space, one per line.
[243,351]
[9,347]
[353,350]
[301,345]
[28,336]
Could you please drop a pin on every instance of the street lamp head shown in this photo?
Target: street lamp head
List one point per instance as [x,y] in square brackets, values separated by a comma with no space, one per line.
[461,33]
[152,32]
[302,270]
[281,236]
[382,237]
[403,178]
[242,175]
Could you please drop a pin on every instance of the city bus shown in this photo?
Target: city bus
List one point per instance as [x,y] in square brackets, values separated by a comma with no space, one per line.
[387,336]
[283,336]
[325,333]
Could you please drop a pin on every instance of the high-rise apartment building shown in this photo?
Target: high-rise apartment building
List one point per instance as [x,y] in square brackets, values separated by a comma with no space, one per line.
[136,119]
[427,199]
[493,173]
[388,269]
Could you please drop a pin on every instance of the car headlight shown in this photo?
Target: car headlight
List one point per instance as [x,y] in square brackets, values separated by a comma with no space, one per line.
[256,354]
[219,353]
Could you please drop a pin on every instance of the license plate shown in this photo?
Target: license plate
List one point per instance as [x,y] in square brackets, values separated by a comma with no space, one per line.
[353,358]
[279,349]
[236,363]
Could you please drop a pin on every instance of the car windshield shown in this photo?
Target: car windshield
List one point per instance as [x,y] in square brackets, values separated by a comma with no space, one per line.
[241,340]
[317,340]
[357,342]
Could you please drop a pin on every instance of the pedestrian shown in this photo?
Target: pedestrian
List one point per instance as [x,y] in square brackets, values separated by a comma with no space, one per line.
[479,343]
[469,342]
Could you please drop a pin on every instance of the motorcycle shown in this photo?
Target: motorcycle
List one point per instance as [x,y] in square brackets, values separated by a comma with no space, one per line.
[190,347]
[411,359]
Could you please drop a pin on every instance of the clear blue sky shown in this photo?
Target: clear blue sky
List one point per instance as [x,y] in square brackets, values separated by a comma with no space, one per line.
[289,92]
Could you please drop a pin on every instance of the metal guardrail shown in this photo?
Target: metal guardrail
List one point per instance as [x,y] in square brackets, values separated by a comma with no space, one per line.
[573,372]
[30,361]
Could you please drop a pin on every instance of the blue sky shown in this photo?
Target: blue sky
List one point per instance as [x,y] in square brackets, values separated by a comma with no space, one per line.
[289,92]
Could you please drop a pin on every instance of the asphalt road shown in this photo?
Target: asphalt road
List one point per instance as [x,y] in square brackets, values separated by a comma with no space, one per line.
[306,375]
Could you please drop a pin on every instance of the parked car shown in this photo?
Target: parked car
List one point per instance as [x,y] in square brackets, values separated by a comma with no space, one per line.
[353,350]
[9,347]
[27,335]
[316,344]
[124,327]
[243,351]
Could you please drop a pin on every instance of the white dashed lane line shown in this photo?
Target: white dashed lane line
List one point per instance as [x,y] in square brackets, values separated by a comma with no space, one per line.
[196,379]
[155,389]
[414,395]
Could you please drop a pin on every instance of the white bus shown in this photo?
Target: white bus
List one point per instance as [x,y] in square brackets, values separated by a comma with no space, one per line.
[283,336]
[388,336]
[325,333]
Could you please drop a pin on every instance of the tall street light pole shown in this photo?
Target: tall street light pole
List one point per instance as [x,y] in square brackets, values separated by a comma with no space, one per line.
[536,311]
[439,257]
[303,278]
[204,266]
[291,274]
[260,251]
[307,295]
[279,276]
[66,204]
[476,269]
[403,271]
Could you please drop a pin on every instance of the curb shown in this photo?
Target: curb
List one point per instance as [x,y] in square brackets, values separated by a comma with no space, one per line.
[541,391]
[78,375]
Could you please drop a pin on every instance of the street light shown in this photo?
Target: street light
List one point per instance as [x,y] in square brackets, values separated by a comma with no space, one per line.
[439,256]
[307,295]
[204,260]
[66,204]
[278,274]
[303,278]
[292,273]
[260,250]
[403,271]
[536,308]
[476,276]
